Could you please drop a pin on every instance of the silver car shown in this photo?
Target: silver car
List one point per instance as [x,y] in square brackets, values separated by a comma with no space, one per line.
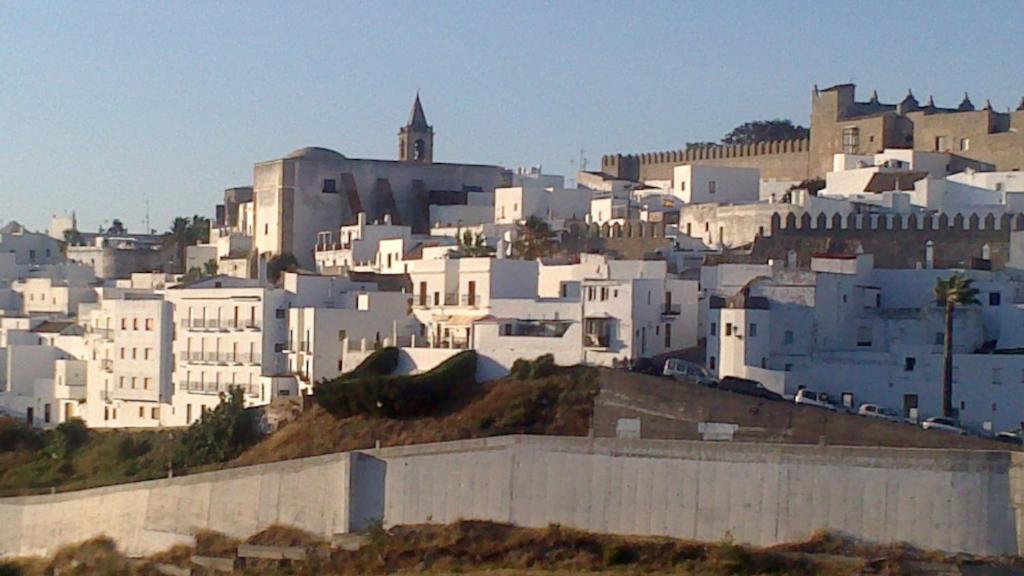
[944,424]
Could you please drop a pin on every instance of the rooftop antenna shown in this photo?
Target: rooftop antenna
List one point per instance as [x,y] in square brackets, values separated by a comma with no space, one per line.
[147,228]
[583,160]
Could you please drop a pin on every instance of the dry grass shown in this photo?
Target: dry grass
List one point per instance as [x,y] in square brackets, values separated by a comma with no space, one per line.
[560,404]
[482,546]
[497,549]
[210,543]
[278,535]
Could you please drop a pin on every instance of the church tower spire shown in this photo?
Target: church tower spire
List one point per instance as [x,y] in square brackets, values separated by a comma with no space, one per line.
[416,138]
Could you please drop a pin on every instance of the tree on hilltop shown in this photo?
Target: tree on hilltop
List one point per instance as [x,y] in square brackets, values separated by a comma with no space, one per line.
[765,131]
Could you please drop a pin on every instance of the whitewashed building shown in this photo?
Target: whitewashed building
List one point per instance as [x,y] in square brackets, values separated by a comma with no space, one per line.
[129,362]
[229,332]
[867,335]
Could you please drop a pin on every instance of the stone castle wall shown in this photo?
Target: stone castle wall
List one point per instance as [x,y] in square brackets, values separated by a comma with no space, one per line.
[781,160]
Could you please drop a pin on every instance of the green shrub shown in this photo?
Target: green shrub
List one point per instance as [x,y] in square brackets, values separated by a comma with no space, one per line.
[543,366]
[66,438]
[520,369]
[9,569]
[539,367]
[220,435]
[334,394]
[381,362]
[17,436]
[128,448]
[397,396]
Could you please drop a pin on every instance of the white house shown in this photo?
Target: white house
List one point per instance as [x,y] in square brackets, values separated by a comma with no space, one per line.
[357,246]
[230,332]
[129,362]
[319,337]
[699,184]
[56,290]
[551,204]
[863,334]
[29,248]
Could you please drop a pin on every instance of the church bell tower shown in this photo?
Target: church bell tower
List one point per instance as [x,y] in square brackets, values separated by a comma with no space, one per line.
[416,139]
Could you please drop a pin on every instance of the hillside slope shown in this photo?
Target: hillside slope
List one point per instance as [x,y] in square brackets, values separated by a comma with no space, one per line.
[560,404]
[672,410]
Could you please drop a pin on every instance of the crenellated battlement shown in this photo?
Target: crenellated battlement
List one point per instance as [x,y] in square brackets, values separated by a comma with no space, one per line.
[701,153]
[790,223]
[896,222]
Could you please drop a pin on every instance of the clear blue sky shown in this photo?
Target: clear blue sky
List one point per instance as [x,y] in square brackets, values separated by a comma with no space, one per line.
[103,105]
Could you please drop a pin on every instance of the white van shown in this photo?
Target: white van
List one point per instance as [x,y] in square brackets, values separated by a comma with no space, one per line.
[812,398]
[688,371]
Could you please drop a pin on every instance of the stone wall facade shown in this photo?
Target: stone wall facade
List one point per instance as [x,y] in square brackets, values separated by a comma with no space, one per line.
[839,123]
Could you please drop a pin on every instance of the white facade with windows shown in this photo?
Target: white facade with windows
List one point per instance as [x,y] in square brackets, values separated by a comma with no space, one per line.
[357,246]
[551,204]
[319,337]
[129,361]
[229,332]
[56,290]
[867,335]
[29,248]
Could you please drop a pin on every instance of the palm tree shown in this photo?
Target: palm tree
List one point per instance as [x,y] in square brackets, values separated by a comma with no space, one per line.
[72,237]
[279,264]
[533,239]
[210,268]
[957,290]
[186,232]
[471,244]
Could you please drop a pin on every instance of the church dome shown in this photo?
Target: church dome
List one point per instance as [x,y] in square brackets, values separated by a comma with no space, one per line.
[314,153]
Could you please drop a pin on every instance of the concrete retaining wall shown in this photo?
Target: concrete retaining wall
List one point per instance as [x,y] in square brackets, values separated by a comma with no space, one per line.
[150,516]
[762,494]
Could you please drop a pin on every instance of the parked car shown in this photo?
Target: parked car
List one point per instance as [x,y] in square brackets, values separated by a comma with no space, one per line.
[812,398]
[748,387]
[683,370]
[1011,436]
[876,411]
[944,424]
[644,366]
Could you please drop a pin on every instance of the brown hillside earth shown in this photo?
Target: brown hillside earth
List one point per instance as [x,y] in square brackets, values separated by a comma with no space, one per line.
[560,404]
[670,409]
[471,547]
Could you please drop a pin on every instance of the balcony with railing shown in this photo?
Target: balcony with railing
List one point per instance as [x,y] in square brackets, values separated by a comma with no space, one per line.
[669,309]
[212,387]
[103,333]
[220,325]
[219,358]
[107,365]
[450,299]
